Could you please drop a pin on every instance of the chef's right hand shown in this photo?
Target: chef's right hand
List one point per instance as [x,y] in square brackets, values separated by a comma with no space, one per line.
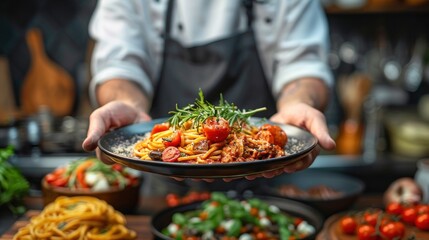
[403,190]
[112,115]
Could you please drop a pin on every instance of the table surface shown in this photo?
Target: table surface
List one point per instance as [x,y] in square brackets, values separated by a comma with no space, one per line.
[140,221]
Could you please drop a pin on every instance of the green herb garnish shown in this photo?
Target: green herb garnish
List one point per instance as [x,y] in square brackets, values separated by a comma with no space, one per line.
[13,185]
[201,109]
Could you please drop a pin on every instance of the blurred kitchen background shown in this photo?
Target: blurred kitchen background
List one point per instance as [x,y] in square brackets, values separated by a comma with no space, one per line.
[379,113]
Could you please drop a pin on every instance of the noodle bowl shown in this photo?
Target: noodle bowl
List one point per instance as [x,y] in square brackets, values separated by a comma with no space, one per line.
[85,218]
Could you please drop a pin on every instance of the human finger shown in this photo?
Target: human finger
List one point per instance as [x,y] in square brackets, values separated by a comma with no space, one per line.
[302,115]
[112,115]
[304,162]
[97,127]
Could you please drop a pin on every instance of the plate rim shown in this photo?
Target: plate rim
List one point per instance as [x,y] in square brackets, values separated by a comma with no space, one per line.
[192,166]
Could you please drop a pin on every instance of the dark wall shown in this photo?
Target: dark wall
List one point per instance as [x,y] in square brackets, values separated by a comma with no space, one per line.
[64,26]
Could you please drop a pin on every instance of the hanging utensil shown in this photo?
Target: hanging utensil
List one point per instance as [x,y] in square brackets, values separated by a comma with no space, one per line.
[353,91]
[390,65]
[413,71]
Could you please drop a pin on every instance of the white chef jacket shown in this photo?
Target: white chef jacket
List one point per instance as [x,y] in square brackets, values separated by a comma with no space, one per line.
[292,37]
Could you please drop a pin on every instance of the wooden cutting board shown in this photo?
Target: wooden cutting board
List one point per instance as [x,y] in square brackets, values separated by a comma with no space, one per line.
[8,109]
[138,223]
[46,83]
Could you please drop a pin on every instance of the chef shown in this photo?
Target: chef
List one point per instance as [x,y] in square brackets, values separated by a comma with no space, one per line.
[153,54]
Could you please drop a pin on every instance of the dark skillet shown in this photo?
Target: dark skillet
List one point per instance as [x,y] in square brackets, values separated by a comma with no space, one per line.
[349,187]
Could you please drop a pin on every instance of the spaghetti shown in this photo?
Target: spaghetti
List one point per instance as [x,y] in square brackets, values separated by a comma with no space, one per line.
[83,218]
[245,143]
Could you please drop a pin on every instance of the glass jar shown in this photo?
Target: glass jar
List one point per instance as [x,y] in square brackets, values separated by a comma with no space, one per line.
[422,178]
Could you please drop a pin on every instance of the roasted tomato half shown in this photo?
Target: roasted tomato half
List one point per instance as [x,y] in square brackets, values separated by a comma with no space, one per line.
[216,129]
[280,137]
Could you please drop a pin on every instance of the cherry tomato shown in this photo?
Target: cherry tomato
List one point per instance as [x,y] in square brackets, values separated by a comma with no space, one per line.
[366,232]
[254,211]
[50,177]
[132,181]
[170,154]
[172,199]
[400,227]
[348,225]
[371,218]
[204,195]
[59,171]
[174,141]
[409,215]
[392,230]
[394,208]
[60,182]
[192,238]
[203,215]
[297,221]
[422,221]
[160,127]
[422,208]
[216,129]
[280,137]
[117,167]
[261,236]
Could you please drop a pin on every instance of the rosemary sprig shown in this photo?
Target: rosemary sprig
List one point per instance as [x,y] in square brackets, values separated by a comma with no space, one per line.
[201,109]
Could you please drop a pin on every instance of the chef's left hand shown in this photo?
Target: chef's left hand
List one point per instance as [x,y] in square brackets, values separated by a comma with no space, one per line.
[310,119]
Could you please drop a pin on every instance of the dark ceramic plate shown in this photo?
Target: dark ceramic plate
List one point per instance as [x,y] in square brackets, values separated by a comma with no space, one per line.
[350,187]
[117,145]
[293,208]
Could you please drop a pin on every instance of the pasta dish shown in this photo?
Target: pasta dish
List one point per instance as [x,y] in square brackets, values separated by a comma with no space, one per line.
[84,218]
[204,133]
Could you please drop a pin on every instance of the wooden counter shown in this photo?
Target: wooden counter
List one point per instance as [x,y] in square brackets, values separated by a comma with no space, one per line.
[140,221]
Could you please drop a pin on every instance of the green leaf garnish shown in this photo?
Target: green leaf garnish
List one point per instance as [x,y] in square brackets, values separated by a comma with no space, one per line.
[201,109]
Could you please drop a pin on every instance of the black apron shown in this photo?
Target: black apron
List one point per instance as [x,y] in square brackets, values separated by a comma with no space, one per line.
[229,66]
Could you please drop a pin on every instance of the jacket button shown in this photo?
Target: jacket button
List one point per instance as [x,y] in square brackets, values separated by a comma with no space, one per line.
[180,26]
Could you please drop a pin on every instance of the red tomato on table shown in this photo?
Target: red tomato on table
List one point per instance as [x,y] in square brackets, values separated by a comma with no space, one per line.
[348,225]
[422,221]
[394,208]
[366,232]
[392,230]
[371,217]
[409,215]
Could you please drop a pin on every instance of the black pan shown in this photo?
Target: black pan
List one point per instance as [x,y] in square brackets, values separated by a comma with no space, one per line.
[350,187]
[117,145]
[311,215]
